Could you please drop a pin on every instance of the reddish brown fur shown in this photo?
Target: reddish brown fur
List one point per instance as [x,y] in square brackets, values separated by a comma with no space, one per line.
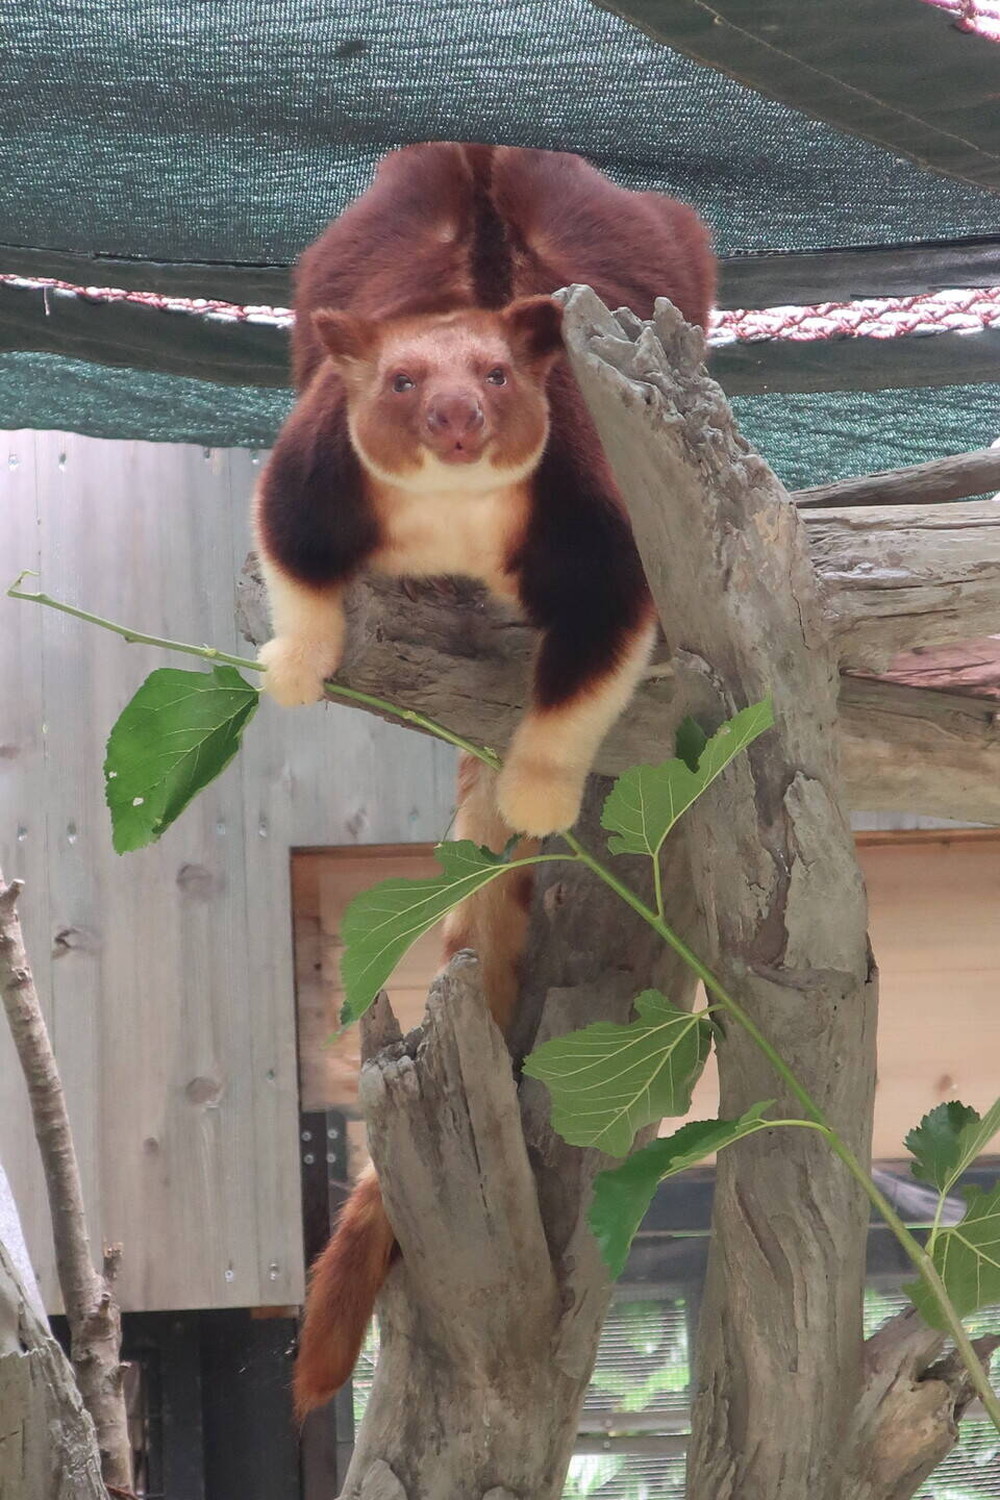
[417,278]
[343,1284]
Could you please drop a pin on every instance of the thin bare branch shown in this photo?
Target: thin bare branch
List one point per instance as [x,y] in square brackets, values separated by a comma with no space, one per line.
[91,1307]
[932,483]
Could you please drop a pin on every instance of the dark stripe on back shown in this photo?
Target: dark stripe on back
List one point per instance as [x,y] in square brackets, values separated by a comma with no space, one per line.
[490,259]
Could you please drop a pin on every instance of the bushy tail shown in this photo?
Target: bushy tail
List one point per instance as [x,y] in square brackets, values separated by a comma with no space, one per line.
[347,1276]
[343,1284]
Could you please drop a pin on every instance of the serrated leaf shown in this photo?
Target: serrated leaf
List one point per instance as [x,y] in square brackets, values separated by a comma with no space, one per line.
[690,742]
[974,1139]
[623,1194]
[179,731]
[936,1143]
[608,1081]
[381,923]
[645,802]
[967,1257]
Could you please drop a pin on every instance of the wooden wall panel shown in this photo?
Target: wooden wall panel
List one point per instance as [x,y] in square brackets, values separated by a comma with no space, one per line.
[23,830]
[172,993]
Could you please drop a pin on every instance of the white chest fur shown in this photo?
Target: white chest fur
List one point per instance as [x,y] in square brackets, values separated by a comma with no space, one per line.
[427,533]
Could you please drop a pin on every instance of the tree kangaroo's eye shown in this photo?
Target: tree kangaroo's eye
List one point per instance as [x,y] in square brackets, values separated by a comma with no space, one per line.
[497,376]
[402,383]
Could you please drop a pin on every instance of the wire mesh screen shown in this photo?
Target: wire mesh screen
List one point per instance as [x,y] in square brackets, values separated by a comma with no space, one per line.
[636,1415]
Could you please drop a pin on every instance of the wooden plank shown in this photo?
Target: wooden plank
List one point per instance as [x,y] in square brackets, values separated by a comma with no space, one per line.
[244,353]
[173,999]
[943,479]
[324,884]
[143,338]
[23,829]
[151,1001]
[257,285]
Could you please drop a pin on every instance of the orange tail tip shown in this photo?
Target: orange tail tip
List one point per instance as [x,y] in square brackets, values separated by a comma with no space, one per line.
[343,1284]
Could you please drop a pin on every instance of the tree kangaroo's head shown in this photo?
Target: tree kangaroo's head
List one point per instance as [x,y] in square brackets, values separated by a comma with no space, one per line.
[456,399]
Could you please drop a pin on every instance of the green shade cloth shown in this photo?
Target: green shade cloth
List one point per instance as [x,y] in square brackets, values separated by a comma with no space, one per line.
[806,439]
[183,130]
[228,132]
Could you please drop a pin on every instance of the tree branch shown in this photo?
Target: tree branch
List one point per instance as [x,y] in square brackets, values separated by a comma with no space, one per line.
[921,484]
[908,576]
[906,1420]
[48,1449]
[91,1308]
[447,650]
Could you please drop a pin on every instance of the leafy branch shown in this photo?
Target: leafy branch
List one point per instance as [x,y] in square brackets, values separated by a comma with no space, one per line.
[607,1082]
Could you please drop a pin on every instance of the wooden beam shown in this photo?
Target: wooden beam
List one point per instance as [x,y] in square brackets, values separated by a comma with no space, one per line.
[785,366]
[775,278]
[920,484]
[134,336]
[902,76]
[766,278]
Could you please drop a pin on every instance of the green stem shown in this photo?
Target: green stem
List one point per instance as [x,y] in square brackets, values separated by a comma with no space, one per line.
[133,637]
[210,653]
[658,886]
[929,1271]
[419,720]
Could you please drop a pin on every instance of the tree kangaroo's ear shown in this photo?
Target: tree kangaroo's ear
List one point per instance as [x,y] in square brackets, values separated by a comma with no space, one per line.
[349,340]
[534,328]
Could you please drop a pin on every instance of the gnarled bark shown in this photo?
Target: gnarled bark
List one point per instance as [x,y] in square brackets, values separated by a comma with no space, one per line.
[48,1447]
[491,1316]
[91,1306]
[755,597]
[447,650]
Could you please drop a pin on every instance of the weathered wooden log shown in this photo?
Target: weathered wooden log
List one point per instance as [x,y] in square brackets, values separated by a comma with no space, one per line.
[942,479]
[906,1420]
[48,1446]
[449,651]
[905,576]
[491,1316]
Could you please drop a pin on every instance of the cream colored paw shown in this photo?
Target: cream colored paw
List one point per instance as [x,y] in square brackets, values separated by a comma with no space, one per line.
[539,798]
[296,670]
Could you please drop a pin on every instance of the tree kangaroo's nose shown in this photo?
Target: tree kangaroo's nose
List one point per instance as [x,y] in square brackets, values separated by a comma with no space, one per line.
[454,414]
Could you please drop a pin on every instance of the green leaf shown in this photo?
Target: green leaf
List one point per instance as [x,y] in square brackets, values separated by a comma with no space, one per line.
[623,1194]
[967,1257]
[608,1081]
[691,741]
[645,802]
[180,730]
[936,1143]
[380,924]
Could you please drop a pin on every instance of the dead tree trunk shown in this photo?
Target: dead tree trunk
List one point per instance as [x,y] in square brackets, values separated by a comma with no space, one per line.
[491,1317]
[48,1446]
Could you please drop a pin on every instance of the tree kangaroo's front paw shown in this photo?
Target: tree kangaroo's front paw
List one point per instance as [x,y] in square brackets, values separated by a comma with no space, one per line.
[296,670]
[539,797]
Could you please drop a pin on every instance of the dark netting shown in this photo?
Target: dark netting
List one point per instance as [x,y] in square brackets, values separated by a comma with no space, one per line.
[230,131]
[807,439]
